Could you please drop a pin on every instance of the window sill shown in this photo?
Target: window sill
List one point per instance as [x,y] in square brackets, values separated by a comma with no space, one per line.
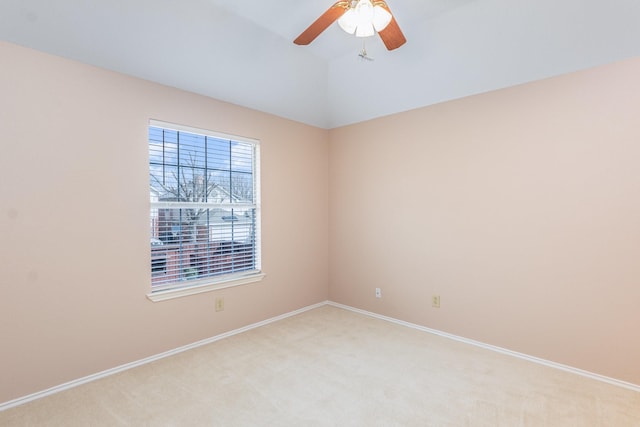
[157,296]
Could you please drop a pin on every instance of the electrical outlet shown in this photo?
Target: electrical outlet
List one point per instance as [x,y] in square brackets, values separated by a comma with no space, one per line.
[435,301]
[219,304]
[378,293]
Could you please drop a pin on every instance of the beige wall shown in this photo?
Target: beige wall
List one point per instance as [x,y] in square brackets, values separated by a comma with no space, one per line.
[74,227]
[520,208]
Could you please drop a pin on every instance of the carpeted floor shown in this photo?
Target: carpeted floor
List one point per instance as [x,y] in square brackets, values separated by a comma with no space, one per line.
[332,367]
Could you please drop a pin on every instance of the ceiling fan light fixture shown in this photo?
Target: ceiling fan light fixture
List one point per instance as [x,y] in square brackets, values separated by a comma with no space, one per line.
[348,22]
[364,11]
[360,17]
[381,18]
[365,30]
[364,19]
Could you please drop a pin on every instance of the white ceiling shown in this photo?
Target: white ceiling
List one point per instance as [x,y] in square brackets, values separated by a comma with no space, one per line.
[241,51]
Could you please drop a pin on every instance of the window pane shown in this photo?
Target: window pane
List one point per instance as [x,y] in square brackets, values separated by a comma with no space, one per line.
[191,150]
[242,156]
[242,186]
[164,182]
[218,154]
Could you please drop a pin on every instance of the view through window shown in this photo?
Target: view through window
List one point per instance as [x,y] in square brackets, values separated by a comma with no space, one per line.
[204,206]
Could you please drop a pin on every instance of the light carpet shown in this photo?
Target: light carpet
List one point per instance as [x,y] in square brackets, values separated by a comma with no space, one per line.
[333,367]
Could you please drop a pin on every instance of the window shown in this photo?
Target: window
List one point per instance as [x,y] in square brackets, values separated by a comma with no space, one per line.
[205,211]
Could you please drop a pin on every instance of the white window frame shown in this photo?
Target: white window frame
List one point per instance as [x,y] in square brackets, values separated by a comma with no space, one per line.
[212,283]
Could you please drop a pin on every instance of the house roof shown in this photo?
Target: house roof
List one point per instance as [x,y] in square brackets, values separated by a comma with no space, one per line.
[242,51]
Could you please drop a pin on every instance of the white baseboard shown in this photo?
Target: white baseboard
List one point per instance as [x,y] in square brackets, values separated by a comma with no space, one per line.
[117,369]
[501,350]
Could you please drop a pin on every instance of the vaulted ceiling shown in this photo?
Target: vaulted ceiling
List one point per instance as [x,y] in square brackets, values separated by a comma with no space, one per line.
[241,51]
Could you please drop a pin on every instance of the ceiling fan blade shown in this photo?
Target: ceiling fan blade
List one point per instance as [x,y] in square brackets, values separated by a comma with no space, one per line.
[321,24]
[391,35]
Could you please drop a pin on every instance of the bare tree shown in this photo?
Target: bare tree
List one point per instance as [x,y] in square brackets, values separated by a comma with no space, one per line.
[188,183]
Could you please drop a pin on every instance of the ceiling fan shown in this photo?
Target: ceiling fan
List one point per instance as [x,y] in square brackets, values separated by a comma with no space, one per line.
[360,17]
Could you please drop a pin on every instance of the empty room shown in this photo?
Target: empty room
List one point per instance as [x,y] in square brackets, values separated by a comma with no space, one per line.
[319,213]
